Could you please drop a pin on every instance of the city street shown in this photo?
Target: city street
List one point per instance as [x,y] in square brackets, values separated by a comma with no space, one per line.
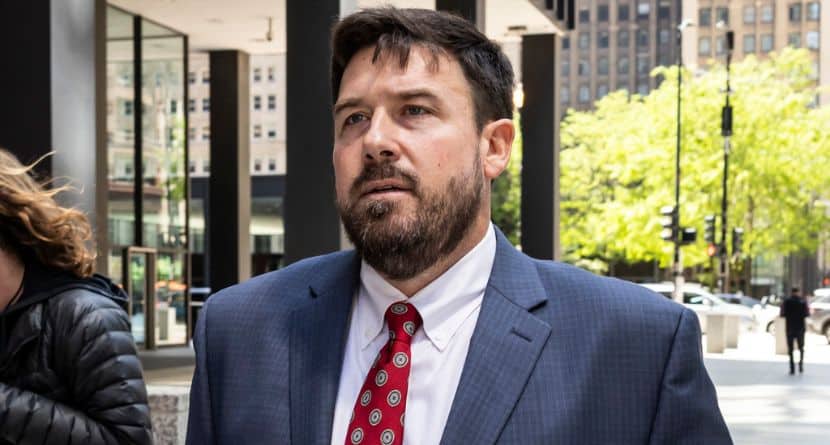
[762,403]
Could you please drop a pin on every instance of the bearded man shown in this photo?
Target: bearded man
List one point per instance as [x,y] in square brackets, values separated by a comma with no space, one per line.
[435,329]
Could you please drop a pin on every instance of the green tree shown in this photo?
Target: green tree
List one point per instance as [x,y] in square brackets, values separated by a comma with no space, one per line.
[617,163]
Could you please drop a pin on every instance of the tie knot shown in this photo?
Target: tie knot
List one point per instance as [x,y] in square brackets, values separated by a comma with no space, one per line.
[403,320]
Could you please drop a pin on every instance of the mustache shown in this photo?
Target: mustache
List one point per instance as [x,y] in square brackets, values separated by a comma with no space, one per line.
[376,172]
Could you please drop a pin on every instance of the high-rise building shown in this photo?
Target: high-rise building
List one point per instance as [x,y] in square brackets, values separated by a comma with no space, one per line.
[614,46]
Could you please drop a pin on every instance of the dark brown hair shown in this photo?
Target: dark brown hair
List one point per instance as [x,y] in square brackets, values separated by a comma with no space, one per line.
[393,32]
[31,220]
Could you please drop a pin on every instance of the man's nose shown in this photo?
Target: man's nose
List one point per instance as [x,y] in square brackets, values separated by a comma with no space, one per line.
[379,141]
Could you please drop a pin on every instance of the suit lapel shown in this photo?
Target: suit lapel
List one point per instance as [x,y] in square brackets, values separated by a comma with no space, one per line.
[318,333]
[504,349]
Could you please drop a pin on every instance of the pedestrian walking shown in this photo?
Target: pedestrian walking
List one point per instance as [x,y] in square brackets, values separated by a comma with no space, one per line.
[795,310]
[68,367]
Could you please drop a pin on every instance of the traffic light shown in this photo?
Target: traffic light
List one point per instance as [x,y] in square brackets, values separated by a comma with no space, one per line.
[669,222]
[709,229]
[688,235]
[737,240]
[711,250]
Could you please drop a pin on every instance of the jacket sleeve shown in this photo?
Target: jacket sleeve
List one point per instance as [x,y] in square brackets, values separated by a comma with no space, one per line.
[95,354]
[687,408]
[199,422]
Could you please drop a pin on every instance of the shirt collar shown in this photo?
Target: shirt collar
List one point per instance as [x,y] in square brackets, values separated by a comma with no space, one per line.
[443,304]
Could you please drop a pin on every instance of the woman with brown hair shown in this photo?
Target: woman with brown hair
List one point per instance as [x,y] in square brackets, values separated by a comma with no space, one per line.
[68,366]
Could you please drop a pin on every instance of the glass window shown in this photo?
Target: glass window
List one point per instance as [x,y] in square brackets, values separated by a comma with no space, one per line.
[663,58]
[794,12]
[584,68]
[272,102]
[602,13]
[584,16]
[622,38]
[704,46]
[205,76]
[622,65]
[205,133]
[664,10]
[584,40]
[642,38]
[720,45]
[767,15]
[257,74]
[257,165]
[566,68]
[602,65]
[643,9]
[813,10]
[565,95]
[257,102]
[622,13]
[642,88]
[566,42]
[722,15]
[664,35]
[602,90]
[272,165]
[602,39]
[749,44]
[191,105]
[812,39]
[749,14]
[642,64]
[766,43]
[191,77]
[206,104]
[174,106]
[271,72]
[206,165]
[257,131]
[191,133]
[191,166]
[794,39]
[584,94]
[128,108]
[704,16]
[272,134]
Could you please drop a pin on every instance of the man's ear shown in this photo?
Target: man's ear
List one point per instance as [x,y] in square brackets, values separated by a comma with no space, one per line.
[496,144]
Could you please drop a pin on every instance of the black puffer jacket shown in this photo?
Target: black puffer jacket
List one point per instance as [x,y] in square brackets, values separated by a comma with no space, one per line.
[69,373]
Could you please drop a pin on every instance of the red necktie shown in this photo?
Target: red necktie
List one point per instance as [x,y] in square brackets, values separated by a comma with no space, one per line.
[378,414]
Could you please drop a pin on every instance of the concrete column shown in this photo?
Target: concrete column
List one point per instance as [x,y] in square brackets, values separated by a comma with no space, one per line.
[312,226]
[540,158]
[53,90]
[229,216]
[715,333]
[733,326]
[780,327]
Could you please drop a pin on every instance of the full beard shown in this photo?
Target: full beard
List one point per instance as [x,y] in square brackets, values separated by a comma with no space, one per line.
[402,246]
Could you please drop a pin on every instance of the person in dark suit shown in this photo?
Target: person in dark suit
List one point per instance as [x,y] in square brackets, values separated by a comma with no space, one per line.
[435,329]
[795,310]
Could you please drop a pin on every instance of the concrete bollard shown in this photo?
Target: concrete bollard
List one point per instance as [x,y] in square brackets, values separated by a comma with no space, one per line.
[733,326]
[168,412]
[780,335]
[715,333]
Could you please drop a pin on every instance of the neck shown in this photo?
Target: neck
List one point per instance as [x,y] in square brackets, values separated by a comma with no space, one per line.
[11,276]
[411,286]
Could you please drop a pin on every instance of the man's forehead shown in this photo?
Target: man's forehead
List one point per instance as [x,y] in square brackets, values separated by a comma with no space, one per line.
[402,58]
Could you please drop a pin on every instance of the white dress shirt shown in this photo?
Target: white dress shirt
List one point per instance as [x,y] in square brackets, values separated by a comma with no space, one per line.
[449,307]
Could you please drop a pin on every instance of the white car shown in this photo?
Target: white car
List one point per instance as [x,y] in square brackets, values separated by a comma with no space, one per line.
[703,303]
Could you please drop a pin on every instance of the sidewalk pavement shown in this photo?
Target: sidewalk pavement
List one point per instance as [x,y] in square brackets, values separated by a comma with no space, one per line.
[762,403]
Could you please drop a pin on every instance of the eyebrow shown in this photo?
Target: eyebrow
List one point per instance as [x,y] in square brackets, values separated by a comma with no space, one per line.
[420,93]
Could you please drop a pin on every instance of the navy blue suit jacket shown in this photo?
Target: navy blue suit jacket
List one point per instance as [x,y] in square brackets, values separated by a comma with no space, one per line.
[558,356]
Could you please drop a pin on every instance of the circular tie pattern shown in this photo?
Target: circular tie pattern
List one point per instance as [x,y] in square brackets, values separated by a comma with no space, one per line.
[378,415]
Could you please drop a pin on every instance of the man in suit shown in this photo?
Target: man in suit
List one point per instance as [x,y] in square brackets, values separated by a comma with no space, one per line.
[435,329]
[795,310]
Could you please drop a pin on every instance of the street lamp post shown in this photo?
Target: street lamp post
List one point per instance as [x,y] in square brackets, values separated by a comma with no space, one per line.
[726,132]
[677,266]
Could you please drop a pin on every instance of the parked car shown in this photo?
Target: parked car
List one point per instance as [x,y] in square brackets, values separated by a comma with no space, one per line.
[739,299]
[703,303]
[819,320]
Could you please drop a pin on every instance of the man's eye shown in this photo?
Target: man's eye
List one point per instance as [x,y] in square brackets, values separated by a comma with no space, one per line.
[414,110]
[354,118]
